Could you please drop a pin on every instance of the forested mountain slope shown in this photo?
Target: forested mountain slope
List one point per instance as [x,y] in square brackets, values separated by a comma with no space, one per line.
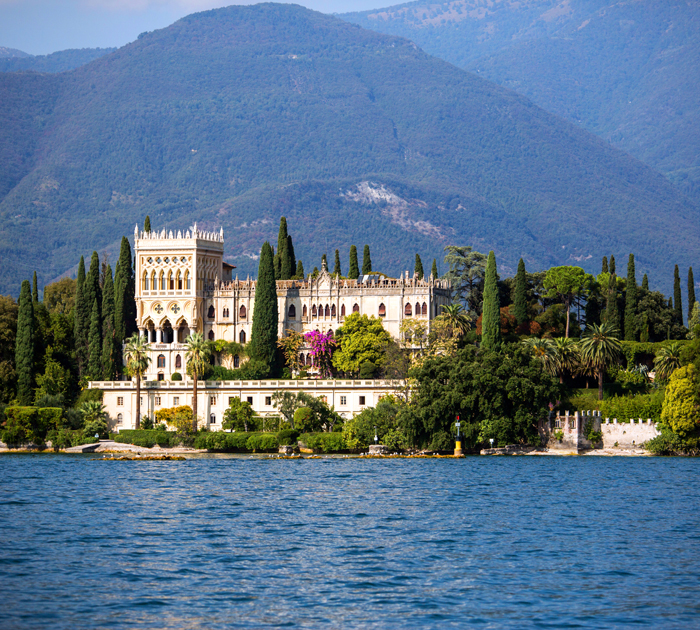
[625,70]
[236,116]
[55,62]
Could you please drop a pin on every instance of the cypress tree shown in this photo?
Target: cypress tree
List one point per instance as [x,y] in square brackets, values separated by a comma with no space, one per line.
[285,261]
[147,224]
[263,338]
[82,322]
[300,270]
[109,352]
[491,315]
[124,290]
[276,264]
[677,300]
[24,346]
[520,297]
[434,270]
[631,301]
[35,290]
[612,313]
[324,262]
[95,344]
[645,283]
[354,271]
[612,264]
[290,255]
[336,264]
[691,293]
[91,289]
[605,265]
[366,261]
[418,267]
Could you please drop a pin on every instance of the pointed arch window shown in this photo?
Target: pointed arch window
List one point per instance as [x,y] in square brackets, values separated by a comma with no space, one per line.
[313,311]
[333,310]
[408,311]
[178,361]
[211,335]
[425,309]
[382,310]
[161,360]
[154,281]
[171,281]
[417,311]
[188,281]
[342,310]
[241,336]
[304,311]
[242,312]
[292,311]
[356,308]
[162,281]
[178,281]
[146,283]
[211,312]
[327,312]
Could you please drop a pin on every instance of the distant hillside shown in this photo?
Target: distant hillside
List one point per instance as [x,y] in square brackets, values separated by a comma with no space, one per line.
[55,62]
[236,116]
[626,71]
[12,52]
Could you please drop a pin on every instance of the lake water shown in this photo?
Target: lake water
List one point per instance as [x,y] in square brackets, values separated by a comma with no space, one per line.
[217,542]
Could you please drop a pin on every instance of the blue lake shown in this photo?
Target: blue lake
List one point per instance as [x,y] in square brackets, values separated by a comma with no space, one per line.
[216,542]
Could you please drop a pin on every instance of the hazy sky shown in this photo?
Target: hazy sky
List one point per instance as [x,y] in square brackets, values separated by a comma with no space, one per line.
[40,27]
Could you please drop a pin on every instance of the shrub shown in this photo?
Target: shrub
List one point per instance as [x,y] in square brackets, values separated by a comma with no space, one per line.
[288,437]
[147,438]
[324,442]
[261,442]
[681,411]
[22,426]
[176,376]
[303,418]
[641,406]
[89,395]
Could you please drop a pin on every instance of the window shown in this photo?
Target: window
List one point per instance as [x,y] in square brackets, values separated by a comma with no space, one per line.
[362,401]
[292,312]
[188,282]
[162,281]
[179,281]
[211,312]
[212,419]
[120,400]
[250,400]
[157,401]
[327,312]
[226,313]
[425,309]
[268,401]
[382,310]
[333,311]
[211,335]
[171,281]
[304,312]
[161,376]
[342,310]
[417,311]
[178,361]
[212,401]
[161,361]
[408,311]
[120,418]
[230,400]
[356,308]
[236,361]
[323,399]
[146,284]
[313,311]
[242,312]
[241,336]
[343,400]
[176,400]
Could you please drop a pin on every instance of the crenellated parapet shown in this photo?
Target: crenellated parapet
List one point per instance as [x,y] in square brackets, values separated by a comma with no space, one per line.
[193,233]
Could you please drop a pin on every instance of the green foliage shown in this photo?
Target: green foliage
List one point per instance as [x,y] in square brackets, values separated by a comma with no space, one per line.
[324,442]
[262,443]
[147,439]
[304,419]
[691,294]
[29,424]
[94,371]
[366,261]
[434,270]
[358,432]
[566,283]
[631,302]
[24,348]
[288,437]
[677,299]
[55,62]
[467,269]
[361,338]
[176,376]
[124,290]
[520,298]
[491,322]
[239,416]
[263,339]
[418,267]
[640,406]
[147,224]
[681,408]
[670,443]
[8,336]
[354,269]
[336,264]
[109,340]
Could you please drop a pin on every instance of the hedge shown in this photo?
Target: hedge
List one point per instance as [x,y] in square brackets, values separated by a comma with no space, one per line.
[324,442]
[30,424]
[640,406]
[147,437]
[238,441]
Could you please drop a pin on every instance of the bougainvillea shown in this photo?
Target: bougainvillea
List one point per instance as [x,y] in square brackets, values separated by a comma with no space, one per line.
[321,346]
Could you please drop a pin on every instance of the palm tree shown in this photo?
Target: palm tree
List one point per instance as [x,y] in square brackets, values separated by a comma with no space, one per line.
[545,351]
[601,348]
[667,360]
[94,417]
[137,360]
[197,358]
[567,355]
[457,318]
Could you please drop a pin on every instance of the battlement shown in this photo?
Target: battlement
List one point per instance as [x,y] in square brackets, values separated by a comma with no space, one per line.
[193,233]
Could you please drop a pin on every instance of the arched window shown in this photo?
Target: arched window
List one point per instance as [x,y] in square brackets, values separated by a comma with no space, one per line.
[355,308]
[188,281]
[154,281]
[382,310]
[161,361]
[302,359]
[161,376]
[236,361]
[210,312]
[333,311]
[408,311]
[313,311]
[179,281]
[212,418]
[178,361]
[241,336]
[417,311]
[309,359]
[171,281]
[211,335]
[330,332]
[292,312]
[304,311]
[425,309]
[146,284]
[162,281]
[342,310]
[225,313]
[242,312]
[327,312]
[120,418]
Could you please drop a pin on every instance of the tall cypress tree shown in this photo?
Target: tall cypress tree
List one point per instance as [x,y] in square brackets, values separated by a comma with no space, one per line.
[82,319]
[520,297]
[631,301]
[366,261]
[124,291]
[354,271]
[605,265]
[300,270]
[418,267]
[95,344]
[612,313]
[276,264]
[491,315]
[35,290]
[91,290]
[147,224]
[109,350]
[677,300]
[263,338]
[691,293]
[612,264]
[24,346]
[291,256]
[285,262]
[645,283]
[336,264]
[434,270]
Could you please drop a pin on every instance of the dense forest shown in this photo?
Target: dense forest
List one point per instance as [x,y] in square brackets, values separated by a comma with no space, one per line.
[237,116]
[55,62]
[622,70]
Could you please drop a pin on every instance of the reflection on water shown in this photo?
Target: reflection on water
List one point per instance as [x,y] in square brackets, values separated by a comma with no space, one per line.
[236,542]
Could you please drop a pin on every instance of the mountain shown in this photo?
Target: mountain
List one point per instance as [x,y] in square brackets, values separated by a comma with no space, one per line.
[624,70]
[7,53]
[55,62]
[239,115]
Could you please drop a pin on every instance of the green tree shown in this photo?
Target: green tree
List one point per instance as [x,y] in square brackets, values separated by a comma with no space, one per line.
[137,360]
[59,297]
[197,353]
[94,371]
[612,312]
[239,416]
[434,270]
[287,403]
[601,348]
[631,302]
[456,319]
[566,283]
[667,361]
[8,337]
[418,267]
[55,380]
[645,282]
[520,297]
[604,268]
[291,256]
[677,300]
[491,316]
[681,408]
[285,261]
[336,264]
[124,291]
[691,293]
[612,264]
[94,419]
[354,269]
[147,224]
[82,319]
[24,347]
[324,262]
[300,270]
[544,351]
[276,264]
[263,338]
[361,338]
[366,261]
[467,271]
[92,291]
[109,349]
[35,290]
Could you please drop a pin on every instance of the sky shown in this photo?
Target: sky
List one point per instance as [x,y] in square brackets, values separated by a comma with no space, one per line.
[40,27]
